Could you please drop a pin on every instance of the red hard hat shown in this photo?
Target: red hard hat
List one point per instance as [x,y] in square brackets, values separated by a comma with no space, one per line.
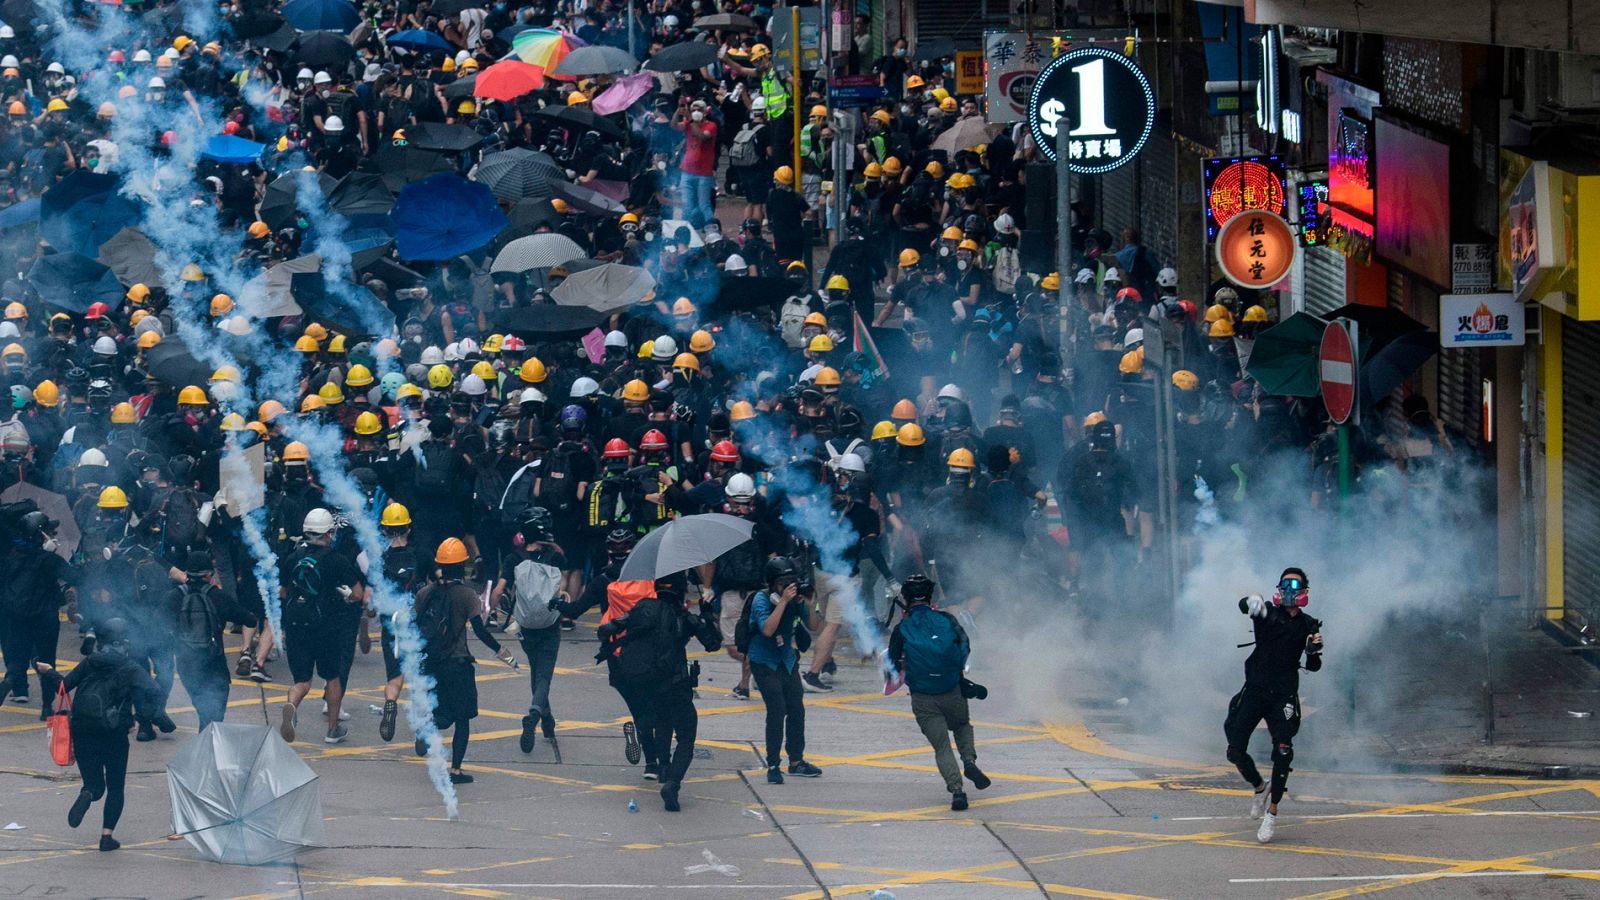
[168,138]
[114,56]
[617,448]
[230,127]
[653,440]
[724,451]
[1129,293]
[1189,308]
[96,311]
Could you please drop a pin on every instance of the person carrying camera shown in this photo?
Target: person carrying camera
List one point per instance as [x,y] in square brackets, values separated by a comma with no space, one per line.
[929,650]
[772,624]
[1272,688]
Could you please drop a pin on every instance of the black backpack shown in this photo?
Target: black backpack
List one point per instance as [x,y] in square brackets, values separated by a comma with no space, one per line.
[434,470]
[743,632]
[199,630]
[433,622]
[305,591]
[488,488]
[650,658]
[400,567]
[181,513]
[558,490]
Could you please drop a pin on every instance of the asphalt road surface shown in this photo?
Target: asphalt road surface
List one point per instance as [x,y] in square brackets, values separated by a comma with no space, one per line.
[1079,808]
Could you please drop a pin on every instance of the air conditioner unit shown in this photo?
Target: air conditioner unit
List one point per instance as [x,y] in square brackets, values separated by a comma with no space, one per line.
[1575,81]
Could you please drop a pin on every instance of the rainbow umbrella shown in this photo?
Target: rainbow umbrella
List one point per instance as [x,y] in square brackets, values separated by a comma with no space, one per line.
[545,48]
[508,79]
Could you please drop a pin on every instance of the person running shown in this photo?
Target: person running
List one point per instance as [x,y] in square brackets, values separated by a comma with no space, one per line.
[929,649]
[316,582]
[202,609]
[1272,689]
[531,573]
[402,568]
[773,622]
[109,687]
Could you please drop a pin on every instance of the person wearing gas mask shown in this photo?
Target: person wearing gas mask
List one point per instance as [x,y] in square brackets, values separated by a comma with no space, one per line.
[1284,633]
[38,583]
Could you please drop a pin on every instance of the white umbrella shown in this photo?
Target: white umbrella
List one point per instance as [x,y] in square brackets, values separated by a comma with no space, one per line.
[670,226]
[537,251]
[605,288]
[240,795]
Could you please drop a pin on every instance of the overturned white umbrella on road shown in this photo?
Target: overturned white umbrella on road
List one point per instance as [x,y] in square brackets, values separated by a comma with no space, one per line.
[240,795]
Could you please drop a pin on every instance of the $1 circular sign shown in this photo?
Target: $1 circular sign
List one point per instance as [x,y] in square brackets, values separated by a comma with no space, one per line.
[1103,100]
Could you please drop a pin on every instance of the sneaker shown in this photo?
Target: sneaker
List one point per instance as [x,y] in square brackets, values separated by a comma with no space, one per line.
[1269,822]
[19,698]
[548,726]
[774,775]
[344,714]
[386,724]
[80,807]
[813,683]
[1258,803]
[528,734]
[286,724]
[976,776]
[830,668]
[630,743]
[460,778]
[804,769]
[669,796]
[741,693]
[958,801]
[652,772]
[258,673]
[245,665]
[336,735]
[147,733]
[109,843]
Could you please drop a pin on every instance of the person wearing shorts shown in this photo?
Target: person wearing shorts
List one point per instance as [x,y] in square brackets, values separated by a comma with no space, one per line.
[318,584]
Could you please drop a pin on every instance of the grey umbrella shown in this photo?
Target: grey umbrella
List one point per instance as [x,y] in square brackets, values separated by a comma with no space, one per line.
[587,199]
[685,57]
[53,505]
[537,251]
[518,173]
[683,544]
[606,288]
[240,795]
[131,257]
[595,60]
[726,22]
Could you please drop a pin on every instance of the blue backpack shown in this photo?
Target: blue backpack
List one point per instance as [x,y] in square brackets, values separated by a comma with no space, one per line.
[935,650]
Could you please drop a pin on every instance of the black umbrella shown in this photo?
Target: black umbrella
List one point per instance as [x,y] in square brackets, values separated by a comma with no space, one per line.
[361,194]
[587,199]
[324,50]
[461,88]
[596,60]
[518,173]
[742,292]
[580,118]
[344,306]
[1400,358]
[685,57]
[937,48]
[279,207]
[71,282]
[726,22]
[83,211]
[454,7]
[257,23]
[131,257]
[533,212]
[18,12]
[402,164]
[171,362]
[550,322]
[280,40]
[1378,325]
[392,273]
[442,137]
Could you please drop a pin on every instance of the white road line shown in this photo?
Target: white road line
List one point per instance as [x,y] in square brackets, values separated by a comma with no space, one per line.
[1547,813]
[1550,873]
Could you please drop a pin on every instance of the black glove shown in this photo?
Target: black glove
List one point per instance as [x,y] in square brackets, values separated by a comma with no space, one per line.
[165,723]
[608,630]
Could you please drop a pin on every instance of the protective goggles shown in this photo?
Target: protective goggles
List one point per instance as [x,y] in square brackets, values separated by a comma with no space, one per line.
[1292,589]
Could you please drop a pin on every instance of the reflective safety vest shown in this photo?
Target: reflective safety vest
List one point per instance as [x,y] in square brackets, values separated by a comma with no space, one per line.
[774,90]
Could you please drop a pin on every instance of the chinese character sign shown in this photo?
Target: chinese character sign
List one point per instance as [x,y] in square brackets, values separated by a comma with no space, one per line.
[1235,184]
[1255,249]
[1481,320]
[1009,65]
[969,72]
[1103,100]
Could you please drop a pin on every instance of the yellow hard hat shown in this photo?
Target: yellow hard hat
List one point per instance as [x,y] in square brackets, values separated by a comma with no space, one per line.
[466,107]
[576,97]
[395,515]
[112,497]
[191,396]
[760,51]
[909,258]
[914,82]
[815,318]
[1093,419]
[628,218]
[950,234]
[784,175]
[296,452]
[45,393]
[56,104]
[123,414]
[149,339]
[311,403]
[636,391]
[407,390]
[317,332]
[828,377]
[305,343]
[181,41]
[367,423]
[1217,311]
[884,429]
[191,272]
[225,373]
[331,394]
[884,117]
[961,458]
[940,93]
[451,551]
[968,244]
[686,361]
[838,283]
[531,371]
[469,63]
[910,435]
[702,341]
[1255,313]
[259,229]
[892,165]
[269,410]
[740,411]
[646,349]
[336,345]
[492,343]
[14,350]
[449,64]
[221,305]
[358,376]
[1051,282]
[257,427]
[484,369]
[820,344]
[1132,362]
[1222,328]
[138,315]
[232,422]
[948,104]
[904,410]
[439,376]
[1185,380]
[935,169]
[683,306]
[138,293]
[873,170]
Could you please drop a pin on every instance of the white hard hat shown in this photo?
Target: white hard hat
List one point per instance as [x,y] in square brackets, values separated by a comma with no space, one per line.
[462,56]
[735,263]
[952,392]
[141,56]
[616,339]
[303,75]
[238,326]
[56,68]
[584,387]
[850,462]
[9,330]
[170,53]
[466,347]
[156,83]
[7,33]
[743,487]
[1134,336]
[149,323]
[431,356]
[1004,224]
[759,104]
[665,349]
[318,521]
[105,346]
[93,457]
[531,395]
[9,61]
[473,386]
[670,21]
[452,351]
[322,78]
[224,391]
[333,124]
[1167,277]
[1112,275]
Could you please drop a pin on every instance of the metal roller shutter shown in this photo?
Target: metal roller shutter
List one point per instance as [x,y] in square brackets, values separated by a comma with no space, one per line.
[1580,470]
[1460,405]
[1323,273]
[1119,192]
[1158,191]
[961,20]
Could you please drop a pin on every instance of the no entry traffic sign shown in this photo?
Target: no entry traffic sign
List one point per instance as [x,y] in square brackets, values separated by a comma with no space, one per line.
[1336,364]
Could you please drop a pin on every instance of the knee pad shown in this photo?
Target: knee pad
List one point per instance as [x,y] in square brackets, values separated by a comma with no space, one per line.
[1282,755]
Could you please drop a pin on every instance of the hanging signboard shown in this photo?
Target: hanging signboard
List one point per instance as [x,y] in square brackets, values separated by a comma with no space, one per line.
[969,71]
[1012,61]
[1233,185]
[1255,249]
[1104,101]
[1481,320]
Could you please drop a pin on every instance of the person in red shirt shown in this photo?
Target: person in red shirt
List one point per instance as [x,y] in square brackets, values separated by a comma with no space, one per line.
[699,165]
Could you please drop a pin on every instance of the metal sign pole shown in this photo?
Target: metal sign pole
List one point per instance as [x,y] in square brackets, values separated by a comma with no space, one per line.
[1063,237]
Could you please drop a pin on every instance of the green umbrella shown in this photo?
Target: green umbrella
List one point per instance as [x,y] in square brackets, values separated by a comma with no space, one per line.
[1284,358]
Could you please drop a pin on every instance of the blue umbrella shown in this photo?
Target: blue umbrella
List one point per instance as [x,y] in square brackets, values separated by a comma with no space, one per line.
[71,282]
[321,15]
[231,148]
[20,213]
[83,211]
[444,216]
[418,39]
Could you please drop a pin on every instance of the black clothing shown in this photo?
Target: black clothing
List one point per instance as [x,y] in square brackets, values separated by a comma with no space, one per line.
[1274,664]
